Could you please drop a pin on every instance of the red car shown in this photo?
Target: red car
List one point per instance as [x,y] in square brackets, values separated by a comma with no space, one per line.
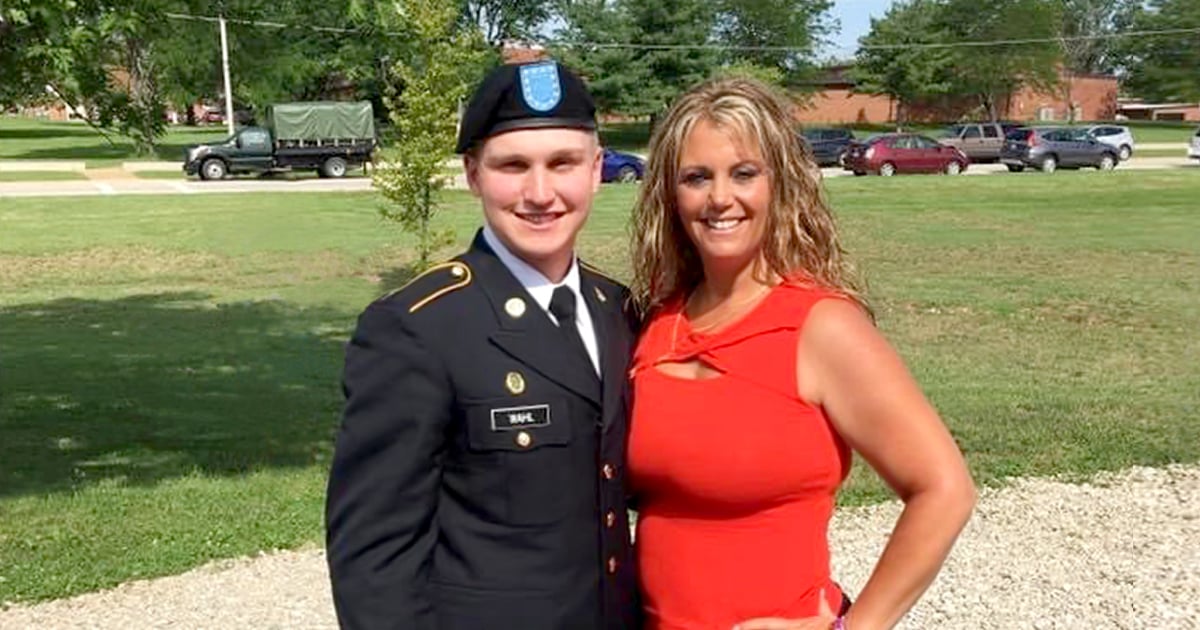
[893,153]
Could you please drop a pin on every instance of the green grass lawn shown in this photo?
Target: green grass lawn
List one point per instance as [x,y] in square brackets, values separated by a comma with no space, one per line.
[1173,132]
[33,139]
[171,363]
[1161,153]
[40,176]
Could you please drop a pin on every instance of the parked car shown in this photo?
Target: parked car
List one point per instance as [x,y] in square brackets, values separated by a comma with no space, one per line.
[326,137]
[1114,136]
[981,142]
[828,144]
[1194,147]
[1051,148]
[621,167]
[893,153]
[216,116]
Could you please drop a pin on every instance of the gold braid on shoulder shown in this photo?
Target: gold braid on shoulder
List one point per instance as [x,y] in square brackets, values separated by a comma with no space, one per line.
[458,270]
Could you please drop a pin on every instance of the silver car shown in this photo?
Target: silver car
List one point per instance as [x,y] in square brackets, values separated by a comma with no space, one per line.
[1115,136]
[1194,147]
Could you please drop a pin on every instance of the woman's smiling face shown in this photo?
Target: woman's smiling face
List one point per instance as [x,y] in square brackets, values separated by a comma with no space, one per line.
[723,196]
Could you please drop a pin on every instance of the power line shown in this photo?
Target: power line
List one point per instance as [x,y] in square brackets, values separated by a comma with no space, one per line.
[959,44]
[635,46]
[262,23]
[1043,40]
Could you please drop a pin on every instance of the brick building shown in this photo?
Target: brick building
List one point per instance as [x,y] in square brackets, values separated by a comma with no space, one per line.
[1093,97]
[1137,109]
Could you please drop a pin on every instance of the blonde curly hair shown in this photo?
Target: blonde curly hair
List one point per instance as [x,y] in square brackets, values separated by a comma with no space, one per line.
[801,242]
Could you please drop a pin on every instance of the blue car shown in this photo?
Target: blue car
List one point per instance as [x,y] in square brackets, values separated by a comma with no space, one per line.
[621,167]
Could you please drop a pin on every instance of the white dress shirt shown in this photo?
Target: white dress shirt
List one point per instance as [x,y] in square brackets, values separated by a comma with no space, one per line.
[541,289]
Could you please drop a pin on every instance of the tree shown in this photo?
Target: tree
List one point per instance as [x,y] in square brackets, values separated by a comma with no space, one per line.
[435,73]
[893,58]
[666,57]
[610,70]
[99,53]
[1087,33]
[782,35]
[993,73]
[1086,38]
[1163,67]
[320,45]
[123,60]
[927,49]
[189,66]
[506,19]
[33,46]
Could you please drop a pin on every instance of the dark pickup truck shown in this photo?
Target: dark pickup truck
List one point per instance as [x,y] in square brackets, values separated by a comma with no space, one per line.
[327,137]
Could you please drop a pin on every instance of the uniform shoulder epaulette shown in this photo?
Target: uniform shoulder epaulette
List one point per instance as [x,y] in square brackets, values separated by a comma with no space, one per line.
[433,283]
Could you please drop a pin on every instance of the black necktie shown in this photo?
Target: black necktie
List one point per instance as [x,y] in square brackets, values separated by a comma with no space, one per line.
[562,306]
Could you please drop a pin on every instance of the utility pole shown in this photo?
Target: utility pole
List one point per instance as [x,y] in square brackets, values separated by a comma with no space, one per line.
[225,69]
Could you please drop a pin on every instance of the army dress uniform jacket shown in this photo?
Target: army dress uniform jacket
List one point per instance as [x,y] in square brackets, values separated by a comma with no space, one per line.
[477,480]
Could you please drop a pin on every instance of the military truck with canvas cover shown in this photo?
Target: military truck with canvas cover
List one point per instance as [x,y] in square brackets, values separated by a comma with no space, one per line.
[327,137]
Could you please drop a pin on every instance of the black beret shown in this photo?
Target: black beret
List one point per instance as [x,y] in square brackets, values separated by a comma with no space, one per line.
[526,96]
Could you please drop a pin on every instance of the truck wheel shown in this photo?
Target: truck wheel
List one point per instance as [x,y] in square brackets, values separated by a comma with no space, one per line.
[212,168]
[334,167]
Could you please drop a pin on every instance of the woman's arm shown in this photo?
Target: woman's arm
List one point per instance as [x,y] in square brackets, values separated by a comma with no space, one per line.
[846,366]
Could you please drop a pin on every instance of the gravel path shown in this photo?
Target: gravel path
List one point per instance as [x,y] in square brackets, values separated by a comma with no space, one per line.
[1120,552]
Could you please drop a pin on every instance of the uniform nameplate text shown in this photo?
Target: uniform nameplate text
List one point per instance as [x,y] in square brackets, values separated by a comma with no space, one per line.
[517,418]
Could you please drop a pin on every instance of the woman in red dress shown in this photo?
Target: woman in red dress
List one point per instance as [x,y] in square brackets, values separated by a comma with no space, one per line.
[758,373]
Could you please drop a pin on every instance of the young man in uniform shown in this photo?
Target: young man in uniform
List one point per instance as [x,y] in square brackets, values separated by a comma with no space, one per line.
[477,480]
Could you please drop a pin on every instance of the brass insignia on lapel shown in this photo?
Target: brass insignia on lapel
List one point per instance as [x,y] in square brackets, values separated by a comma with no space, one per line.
[524,439]
[600,295]
[515,307]
[515,383]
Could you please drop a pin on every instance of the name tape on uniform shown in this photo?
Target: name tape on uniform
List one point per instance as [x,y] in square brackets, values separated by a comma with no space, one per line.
[516,418]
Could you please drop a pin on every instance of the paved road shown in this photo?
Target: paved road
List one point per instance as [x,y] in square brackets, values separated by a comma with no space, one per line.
[181,186]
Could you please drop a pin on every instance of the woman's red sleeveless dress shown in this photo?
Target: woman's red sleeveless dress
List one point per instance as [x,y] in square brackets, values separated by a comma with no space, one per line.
[735,476]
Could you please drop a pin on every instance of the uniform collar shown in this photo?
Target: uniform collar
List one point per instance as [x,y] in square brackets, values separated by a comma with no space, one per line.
[540,288]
